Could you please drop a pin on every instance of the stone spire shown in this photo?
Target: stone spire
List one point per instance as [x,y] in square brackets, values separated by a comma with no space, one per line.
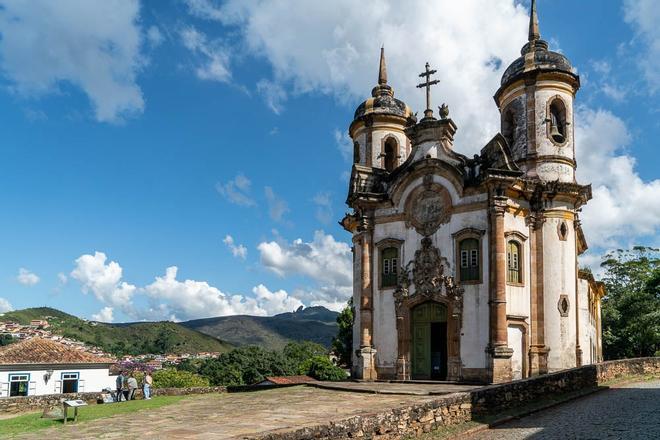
[382,71]
[534,31]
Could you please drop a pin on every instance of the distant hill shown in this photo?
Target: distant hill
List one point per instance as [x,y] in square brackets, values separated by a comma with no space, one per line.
[316,324]
[131,338]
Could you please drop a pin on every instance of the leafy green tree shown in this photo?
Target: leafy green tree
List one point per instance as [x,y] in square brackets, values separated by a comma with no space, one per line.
[631,306]
[322,368]
[245,366]
[342,344]
[298,352]
[6,340]
[171,378]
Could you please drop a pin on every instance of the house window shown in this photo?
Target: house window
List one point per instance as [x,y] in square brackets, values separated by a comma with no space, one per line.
[19,384]
[69,382]
[391,155]
[513,258]
[469,255]
[389,266]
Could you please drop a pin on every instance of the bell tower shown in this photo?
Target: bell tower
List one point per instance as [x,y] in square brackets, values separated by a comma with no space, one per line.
[535,100]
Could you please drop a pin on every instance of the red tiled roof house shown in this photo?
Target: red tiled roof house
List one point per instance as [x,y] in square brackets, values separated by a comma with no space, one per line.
[40,366]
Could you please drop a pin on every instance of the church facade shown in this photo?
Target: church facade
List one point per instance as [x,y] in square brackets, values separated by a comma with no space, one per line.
[466,268]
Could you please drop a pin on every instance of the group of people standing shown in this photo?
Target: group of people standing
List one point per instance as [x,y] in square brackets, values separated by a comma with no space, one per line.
[127,385]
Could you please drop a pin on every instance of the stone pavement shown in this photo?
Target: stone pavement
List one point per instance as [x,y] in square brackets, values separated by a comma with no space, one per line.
[409,388]
[631,411]
[233,415]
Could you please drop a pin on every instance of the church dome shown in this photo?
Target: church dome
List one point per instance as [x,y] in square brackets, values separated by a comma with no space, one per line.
[382,101]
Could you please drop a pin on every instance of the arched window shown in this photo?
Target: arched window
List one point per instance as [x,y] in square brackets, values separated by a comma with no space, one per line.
[562,230]
[469,259]
[514,262]
[557,121]
[356,152]
[389,264]
[391,154]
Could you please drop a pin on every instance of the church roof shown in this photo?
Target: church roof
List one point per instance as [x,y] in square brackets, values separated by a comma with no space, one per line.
[46,351]
[382,101]
[543,59]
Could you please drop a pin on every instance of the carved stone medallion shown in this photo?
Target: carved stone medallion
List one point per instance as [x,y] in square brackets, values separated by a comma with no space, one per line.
[429,210]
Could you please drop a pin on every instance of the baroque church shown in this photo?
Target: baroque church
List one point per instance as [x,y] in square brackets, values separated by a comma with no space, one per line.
[466,268]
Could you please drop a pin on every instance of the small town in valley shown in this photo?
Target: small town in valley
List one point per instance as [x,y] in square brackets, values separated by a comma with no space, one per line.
[390,220]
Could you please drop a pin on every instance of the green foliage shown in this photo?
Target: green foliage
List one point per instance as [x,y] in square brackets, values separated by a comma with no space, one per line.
[342,344]
[6,340]
[245,366]
[322,368]
[122,339]
[171,378]
[297,353]
[631,307]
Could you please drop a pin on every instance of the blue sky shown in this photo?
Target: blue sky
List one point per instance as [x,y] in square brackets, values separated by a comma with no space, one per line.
[209,137]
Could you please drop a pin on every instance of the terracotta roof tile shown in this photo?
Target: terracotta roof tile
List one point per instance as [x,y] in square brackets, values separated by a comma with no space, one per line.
[46,351]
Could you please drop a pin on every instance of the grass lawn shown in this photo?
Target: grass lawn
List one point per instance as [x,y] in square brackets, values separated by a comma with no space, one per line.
[33,422]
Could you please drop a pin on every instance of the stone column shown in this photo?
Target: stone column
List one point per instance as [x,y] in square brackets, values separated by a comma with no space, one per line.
[367,354]
[578,349]
[538,352]
[500,353]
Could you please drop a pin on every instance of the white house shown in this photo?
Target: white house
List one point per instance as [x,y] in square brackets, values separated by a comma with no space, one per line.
[39,366]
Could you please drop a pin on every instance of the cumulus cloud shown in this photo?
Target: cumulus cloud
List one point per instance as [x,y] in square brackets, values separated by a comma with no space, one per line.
[5,306]
[275,302]
[620,210]
[469,42]
[344,145]
[104,280]
[213,57]
[94,46]
[277,207]
[644,16]
[325,261]
[154,36]
[238,251]
[62,278]
[104,315]
[27,278]
[236,191]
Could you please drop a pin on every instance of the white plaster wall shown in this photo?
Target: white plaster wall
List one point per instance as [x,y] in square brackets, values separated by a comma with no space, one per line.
[90,380]
[515,336]
[518,297]
[588,330]
[559,278]
[361,139]
[544,146]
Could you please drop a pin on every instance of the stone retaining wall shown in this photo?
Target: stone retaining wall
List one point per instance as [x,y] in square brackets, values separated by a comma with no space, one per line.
[34,403]
[461,407]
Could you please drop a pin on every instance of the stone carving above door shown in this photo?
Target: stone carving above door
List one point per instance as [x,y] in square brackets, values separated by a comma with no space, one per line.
[428,207]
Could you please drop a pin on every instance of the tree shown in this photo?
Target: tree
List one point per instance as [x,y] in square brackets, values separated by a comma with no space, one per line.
[342,344]
[245,366]
[631,307]
[171,378]
[6,340]
[297,353]
[322,368]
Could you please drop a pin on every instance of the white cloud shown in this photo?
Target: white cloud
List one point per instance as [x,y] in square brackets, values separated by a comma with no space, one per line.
[154,36]
[213,63]
[92,45]
[469,42]
[275,302]
[325,261]
[238,251]
[104,315]
[5,306]
[324,211]
[277,207]
[62,278]
[644,16]
[344,145]
[27,278]
[189,299]
[273,93]
[623,208]
[236,191]
[104,280]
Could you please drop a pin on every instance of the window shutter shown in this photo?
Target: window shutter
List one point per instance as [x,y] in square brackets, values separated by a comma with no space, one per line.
[4,389]
[464,259]
[32,390]
[81,386]
[58,386]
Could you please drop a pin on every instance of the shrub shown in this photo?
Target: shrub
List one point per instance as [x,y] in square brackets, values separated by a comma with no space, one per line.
[171,378]
[322,368]
[245,366]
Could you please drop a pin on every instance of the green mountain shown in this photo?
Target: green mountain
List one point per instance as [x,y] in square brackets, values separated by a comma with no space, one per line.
[131,338]
[316,324]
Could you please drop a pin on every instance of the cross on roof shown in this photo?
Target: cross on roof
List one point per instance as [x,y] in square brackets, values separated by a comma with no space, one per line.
[428,113]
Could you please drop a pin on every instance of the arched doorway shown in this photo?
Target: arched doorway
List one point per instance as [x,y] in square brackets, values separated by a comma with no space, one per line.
[429,341]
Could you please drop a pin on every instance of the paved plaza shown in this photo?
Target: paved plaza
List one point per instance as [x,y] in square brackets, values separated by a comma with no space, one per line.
[631,411]
[233,415]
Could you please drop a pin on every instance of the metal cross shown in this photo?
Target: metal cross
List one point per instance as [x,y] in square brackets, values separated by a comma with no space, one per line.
[428,113]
